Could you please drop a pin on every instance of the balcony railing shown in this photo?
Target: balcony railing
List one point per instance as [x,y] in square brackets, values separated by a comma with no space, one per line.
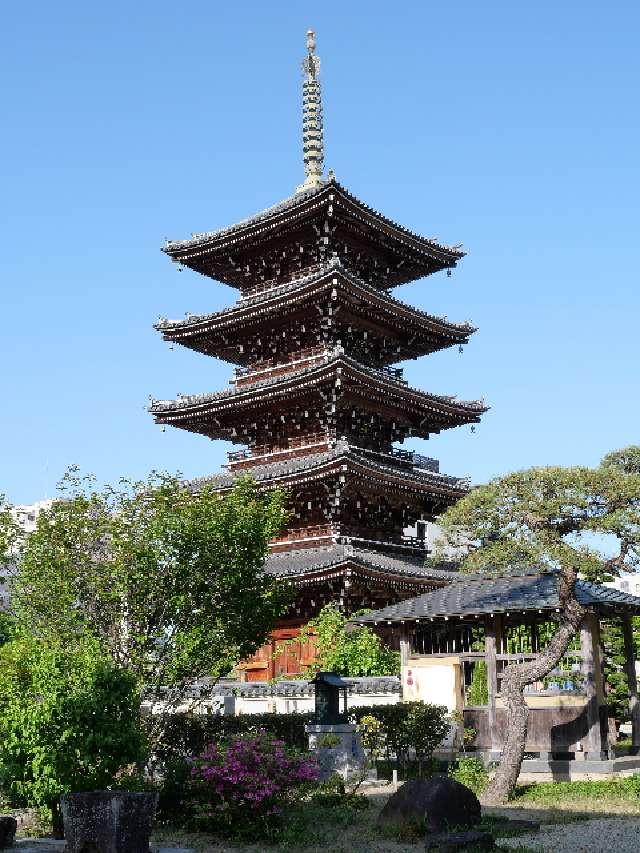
[266,366]
[301,534]
[367,536]
[416,460]
[267,453]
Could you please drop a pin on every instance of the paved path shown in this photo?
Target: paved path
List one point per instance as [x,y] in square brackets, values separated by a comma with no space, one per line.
[610,835]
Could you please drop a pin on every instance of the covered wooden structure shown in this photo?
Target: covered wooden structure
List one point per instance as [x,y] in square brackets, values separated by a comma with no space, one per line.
[477,626]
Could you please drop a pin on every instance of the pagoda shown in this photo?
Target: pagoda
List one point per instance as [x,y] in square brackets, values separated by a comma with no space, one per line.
[315,401]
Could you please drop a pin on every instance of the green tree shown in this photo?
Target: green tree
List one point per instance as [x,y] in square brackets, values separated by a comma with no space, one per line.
[357,652]
[169,580]
[547,518]
[69,719]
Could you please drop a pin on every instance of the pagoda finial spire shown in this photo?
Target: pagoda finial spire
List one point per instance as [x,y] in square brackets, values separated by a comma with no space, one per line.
[312,141]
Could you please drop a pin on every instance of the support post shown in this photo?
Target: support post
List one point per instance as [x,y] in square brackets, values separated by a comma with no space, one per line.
[632,681]
[595,746]
[491,638]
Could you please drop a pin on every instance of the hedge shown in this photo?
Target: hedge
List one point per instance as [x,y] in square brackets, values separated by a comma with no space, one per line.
[189,734]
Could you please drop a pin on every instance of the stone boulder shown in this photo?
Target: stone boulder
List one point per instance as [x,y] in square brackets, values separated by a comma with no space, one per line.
[8,827]
[443,803]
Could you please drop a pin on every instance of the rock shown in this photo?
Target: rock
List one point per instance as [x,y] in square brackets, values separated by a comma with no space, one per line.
[440,801]
[450,842]
[8,827]
[108,821]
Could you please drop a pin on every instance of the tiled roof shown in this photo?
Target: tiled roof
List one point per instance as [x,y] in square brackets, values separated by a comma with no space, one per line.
[290,203]
[513,592]
[337,357]
[589,593]
[306,560]
[299,284]
[341,451]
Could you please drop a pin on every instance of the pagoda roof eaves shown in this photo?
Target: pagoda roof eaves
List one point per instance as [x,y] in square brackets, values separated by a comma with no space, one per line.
[307,561]
[337,359]
[198,323]
[233,234]
[319,464]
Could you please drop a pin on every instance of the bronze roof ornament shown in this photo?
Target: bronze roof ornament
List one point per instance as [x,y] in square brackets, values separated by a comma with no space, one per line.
[312,131]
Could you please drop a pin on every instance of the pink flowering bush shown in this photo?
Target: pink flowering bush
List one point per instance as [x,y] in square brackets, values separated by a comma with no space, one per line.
[246,783]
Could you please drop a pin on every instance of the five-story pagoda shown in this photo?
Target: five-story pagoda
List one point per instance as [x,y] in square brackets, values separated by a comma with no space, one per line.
[314,399]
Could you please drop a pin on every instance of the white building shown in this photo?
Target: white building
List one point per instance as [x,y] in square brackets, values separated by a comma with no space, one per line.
[629,583]
[26,515]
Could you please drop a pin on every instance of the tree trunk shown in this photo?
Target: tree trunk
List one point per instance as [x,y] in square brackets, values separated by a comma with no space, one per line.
[516,677]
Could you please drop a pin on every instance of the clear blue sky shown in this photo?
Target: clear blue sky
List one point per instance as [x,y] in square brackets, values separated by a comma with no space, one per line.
[509,127]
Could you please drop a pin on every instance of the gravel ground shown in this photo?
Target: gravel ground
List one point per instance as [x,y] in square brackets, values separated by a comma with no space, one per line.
[614,835]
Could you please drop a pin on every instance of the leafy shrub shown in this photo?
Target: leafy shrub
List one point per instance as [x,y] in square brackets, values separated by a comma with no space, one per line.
[69,720]
[371,734]
[186,737]
[407,726]
[472,773]
[247,783]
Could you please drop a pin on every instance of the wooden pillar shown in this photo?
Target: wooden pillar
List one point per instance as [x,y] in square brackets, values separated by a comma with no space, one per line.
[594,745]
[492,632]
[632,681]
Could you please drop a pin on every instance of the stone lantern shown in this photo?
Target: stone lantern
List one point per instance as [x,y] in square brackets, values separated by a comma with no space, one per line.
[327,707]
[336,741]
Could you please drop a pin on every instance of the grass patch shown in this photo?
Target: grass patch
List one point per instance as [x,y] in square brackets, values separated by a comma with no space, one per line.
[620,789]
[308,826]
